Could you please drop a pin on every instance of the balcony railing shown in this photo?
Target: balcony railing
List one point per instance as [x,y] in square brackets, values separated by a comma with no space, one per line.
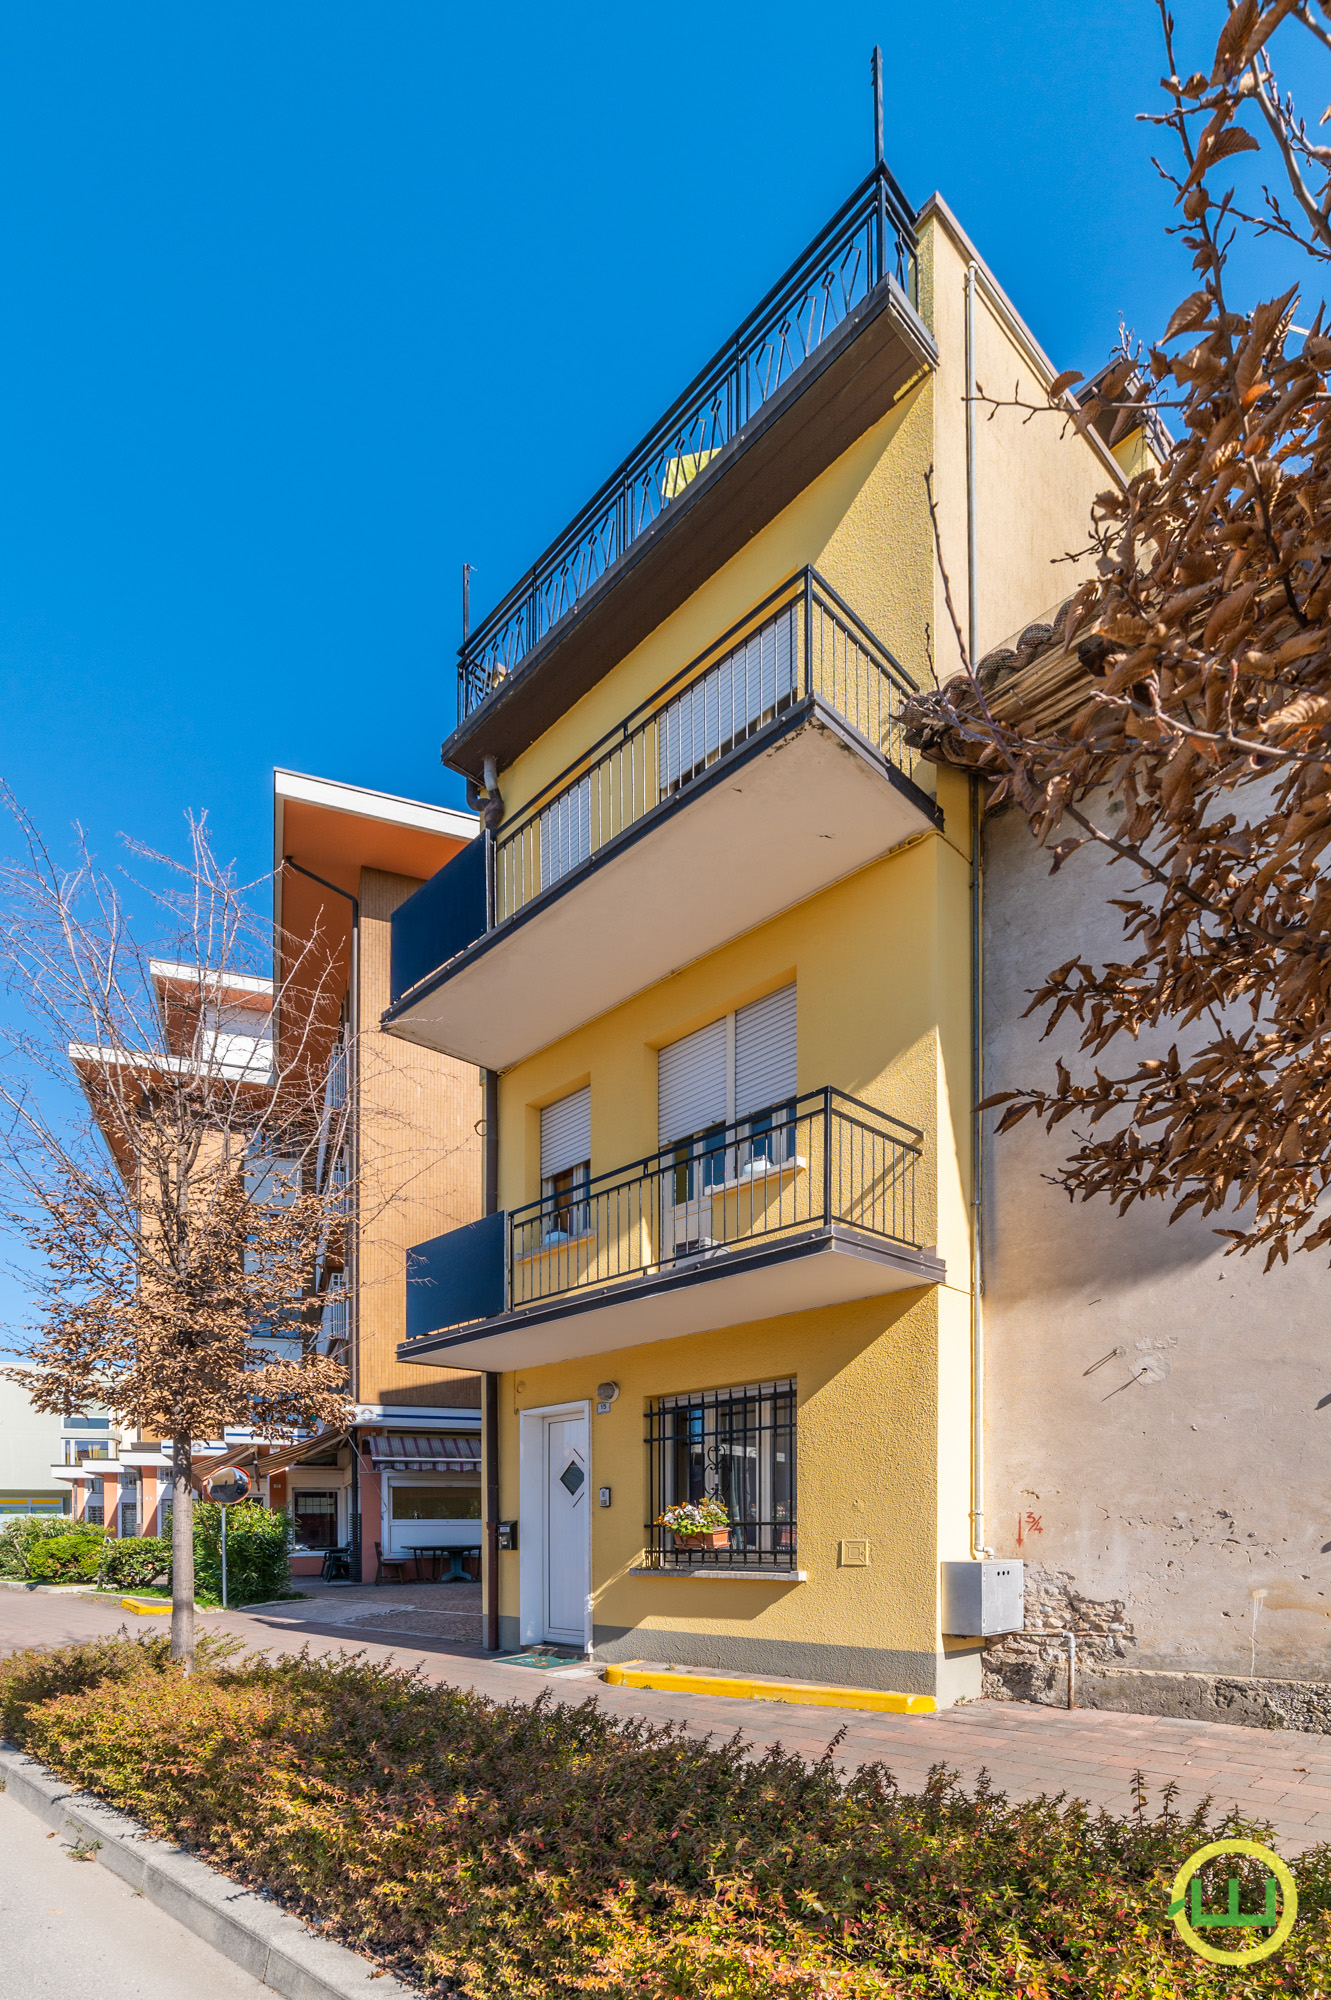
[802,640]
[806,1164]
[870,237]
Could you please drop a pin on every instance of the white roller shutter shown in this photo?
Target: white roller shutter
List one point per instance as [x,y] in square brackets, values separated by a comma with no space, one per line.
[729,702]
[566,1133]
[691,1084]
[765,1052]
[566,832]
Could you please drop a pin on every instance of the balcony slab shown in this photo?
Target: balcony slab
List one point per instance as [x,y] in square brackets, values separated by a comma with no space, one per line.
[722,1288]
[805,803]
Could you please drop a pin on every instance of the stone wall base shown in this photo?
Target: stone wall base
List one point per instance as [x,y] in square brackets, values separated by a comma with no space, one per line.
[1250,1700]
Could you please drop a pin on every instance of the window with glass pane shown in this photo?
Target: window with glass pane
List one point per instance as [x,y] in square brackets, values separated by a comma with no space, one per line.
[315,1516]
[437,1503]
[736,1446]
[565,1212]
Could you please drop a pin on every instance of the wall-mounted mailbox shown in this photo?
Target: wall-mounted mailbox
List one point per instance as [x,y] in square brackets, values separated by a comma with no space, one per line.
[983,1599]
[508,1534]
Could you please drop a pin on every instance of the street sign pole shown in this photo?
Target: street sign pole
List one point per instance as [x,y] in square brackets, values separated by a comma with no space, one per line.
[225,1488]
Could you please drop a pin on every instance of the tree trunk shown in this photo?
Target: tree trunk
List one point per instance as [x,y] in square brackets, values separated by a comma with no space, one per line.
[182,1552]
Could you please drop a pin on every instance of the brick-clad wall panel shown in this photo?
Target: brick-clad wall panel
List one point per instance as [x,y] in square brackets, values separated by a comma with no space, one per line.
[422,1165]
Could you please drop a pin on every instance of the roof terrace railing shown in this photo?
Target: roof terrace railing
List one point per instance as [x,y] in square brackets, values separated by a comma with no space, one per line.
[801,640]
[870,237]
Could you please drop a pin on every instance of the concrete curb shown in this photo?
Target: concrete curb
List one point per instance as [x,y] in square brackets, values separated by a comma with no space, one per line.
[50,1589]
[744,1687]
[271,1945]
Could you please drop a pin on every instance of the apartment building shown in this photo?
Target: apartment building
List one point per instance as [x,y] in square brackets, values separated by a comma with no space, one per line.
[114,1475]
[714,951]
[406,1472]
[29,1442]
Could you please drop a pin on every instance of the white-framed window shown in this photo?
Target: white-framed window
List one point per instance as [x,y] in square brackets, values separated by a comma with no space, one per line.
[435,1500]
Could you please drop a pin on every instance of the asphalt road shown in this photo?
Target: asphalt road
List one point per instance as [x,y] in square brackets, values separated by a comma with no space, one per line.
[71,1927]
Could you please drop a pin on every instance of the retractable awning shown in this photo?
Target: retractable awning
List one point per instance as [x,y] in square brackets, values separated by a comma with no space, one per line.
[204,1464]
[279,1461]
[413,1451]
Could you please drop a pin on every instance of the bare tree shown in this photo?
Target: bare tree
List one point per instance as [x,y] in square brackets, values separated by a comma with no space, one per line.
[188,1213]
[1192,740]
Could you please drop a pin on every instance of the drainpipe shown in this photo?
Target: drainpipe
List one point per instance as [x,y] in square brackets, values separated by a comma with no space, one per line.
[978,1547]
[490,1384]
[353,1147]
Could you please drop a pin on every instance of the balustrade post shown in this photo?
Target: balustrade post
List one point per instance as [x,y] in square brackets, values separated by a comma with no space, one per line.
[827,1158]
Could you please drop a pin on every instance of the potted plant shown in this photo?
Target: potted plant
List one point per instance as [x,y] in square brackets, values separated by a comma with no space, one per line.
[697,1524]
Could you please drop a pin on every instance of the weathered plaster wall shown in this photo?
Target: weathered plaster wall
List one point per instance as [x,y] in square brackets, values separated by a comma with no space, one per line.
[1158,1429]
[1035,481]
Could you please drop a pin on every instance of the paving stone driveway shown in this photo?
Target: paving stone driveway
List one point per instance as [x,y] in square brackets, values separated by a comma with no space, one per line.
[1282,1776]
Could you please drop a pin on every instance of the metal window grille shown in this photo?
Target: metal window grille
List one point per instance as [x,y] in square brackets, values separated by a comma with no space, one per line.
[871,238]
[735,1446]
[802,641]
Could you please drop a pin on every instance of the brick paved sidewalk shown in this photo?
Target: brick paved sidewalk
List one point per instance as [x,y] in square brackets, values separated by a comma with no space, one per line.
[1281,1776]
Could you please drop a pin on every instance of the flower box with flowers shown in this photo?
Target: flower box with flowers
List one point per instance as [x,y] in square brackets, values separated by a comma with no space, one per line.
[697,1524]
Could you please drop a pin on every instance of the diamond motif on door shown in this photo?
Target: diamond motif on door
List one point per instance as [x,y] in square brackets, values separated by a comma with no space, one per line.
[572,1477]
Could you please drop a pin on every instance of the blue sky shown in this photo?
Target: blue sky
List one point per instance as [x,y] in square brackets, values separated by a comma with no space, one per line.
[304,304]
[301,305]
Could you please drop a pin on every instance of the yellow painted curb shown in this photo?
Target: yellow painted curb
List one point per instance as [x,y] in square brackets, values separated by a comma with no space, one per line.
[147,1607]
[812,1694]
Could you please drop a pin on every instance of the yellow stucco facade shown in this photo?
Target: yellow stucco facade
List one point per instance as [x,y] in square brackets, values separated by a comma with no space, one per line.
[881,963]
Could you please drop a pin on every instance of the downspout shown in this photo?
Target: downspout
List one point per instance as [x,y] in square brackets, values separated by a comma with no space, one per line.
[353,1137]
[977,1541]
[490,1384]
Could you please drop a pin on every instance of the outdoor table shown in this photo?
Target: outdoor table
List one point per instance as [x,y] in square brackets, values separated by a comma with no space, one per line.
[431,1553]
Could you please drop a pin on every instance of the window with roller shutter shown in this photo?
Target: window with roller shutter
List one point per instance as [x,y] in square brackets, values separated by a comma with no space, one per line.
[566,1152]
[738,1070]
[765,1074]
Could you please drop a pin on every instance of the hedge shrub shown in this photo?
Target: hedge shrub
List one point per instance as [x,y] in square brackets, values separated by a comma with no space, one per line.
[541,1850]
[20,1532]
[135,1561]
[73,1557]
[258,1549]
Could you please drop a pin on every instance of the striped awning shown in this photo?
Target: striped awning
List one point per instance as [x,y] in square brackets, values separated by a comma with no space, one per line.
[424,1451]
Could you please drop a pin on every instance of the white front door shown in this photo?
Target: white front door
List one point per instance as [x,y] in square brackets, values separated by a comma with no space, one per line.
[567,1510]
